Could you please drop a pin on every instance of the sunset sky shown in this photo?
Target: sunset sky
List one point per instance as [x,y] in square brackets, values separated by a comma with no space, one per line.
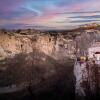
[48,14]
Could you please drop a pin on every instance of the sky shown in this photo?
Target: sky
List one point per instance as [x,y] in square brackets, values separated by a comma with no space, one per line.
[48,14]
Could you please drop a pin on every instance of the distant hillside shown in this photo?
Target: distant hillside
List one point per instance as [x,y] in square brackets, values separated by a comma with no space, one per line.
[94,26]
[88,26]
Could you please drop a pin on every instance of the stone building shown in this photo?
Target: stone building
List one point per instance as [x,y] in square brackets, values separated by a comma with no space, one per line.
[87,73]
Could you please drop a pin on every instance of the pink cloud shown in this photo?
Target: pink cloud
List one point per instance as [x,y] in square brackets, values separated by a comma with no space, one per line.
[48,14]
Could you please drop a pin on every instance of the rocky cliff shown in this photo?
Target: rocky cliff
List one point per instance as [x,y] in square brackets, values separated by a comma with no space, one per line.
[29,58]
[56,47]
[33,59]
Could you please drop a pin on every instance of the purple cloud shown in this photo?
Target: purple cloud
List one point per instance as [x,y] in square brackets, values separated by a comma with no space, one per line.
[14,13]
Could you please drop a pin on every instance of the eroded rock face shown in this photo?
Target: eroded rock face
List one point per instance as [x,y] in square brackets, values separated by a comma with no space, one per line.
[11,45]
[15,44]
[33,59]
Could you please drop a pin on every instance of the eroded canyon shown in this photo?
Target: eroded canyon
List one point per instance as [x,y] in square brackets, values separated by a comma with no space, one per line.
[40,60]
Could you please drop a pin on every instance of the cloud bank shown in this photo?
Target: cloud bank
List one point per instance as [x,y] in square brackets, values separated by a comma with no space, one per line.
[48,14]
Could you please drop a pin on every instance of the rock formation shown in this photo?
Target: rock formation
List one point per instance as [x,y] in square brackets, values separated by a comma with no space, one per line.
[30,57]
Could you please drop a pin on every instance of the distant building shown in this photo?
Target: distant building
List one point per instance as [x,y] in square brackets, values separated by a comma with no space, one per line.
[94,49]
[93,52]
